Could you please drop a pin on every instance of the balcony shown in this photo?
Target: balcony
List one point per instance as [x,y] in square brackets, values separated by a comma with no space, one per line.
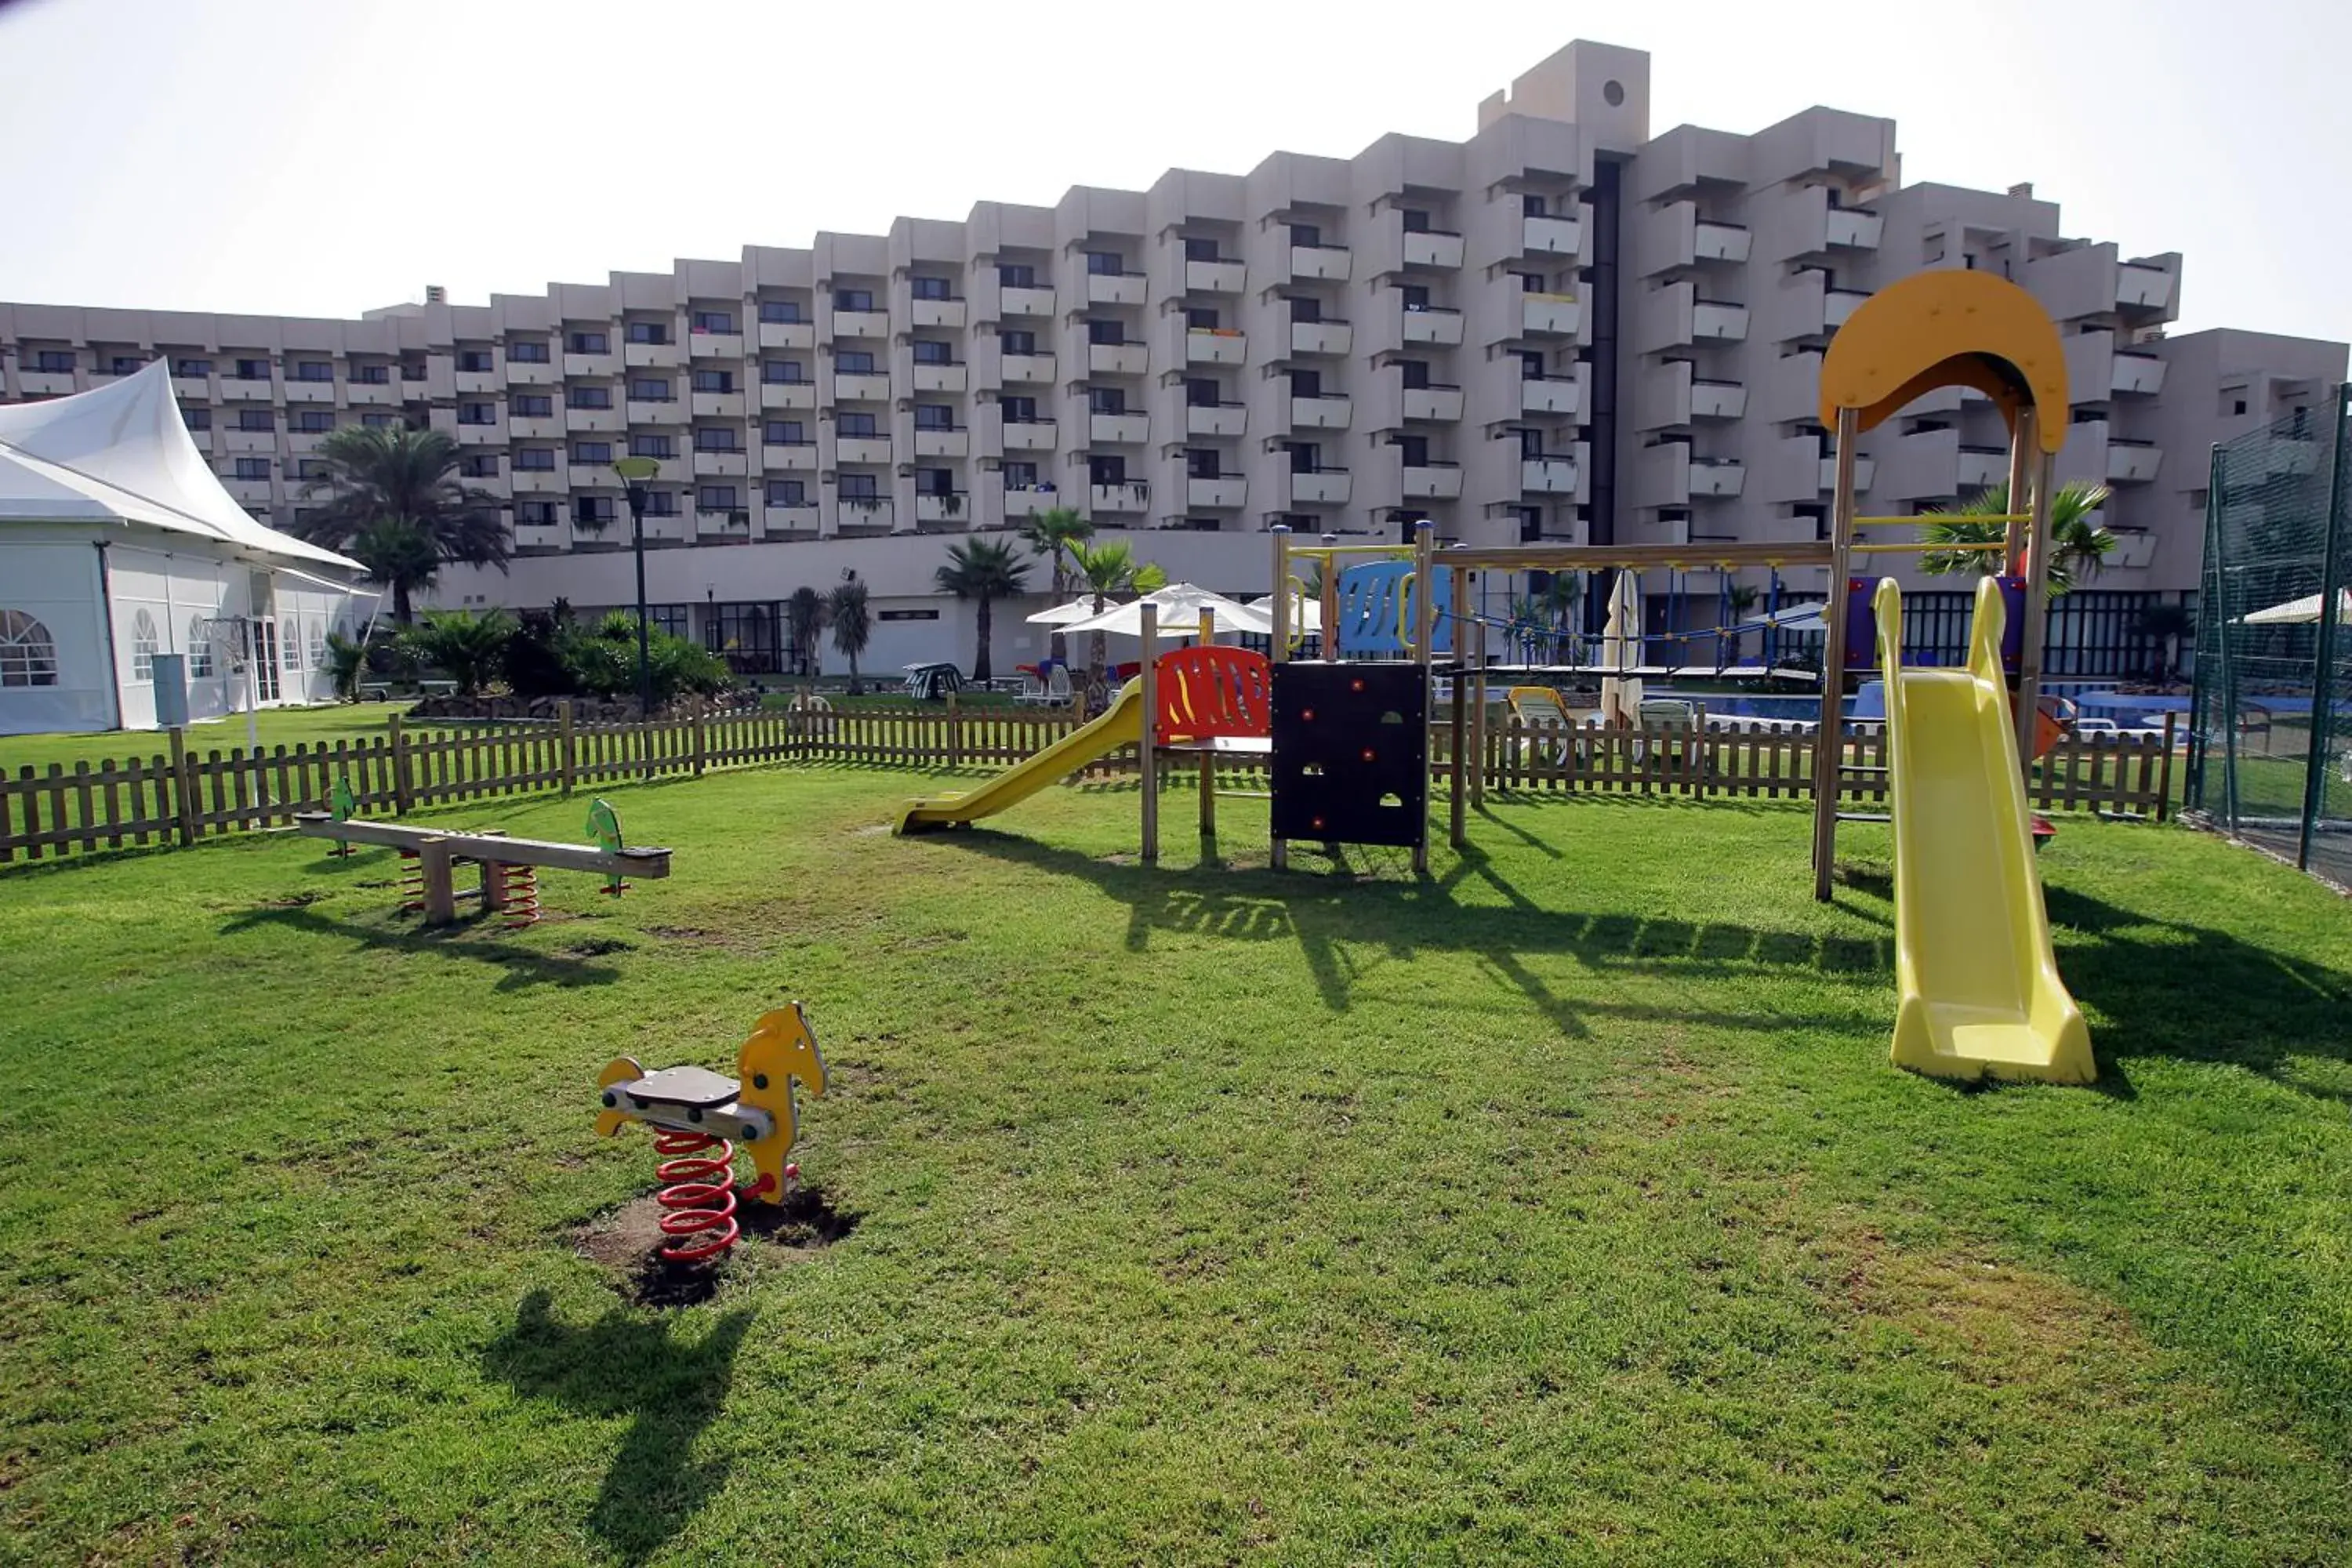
[721,464]
[1226,493]
[2143,288]
[310,391]
[661,528]
[714,345]
[942,508]
[937,313]
[1321,337]
[788,521]
[1025,302]
[1850,228]
[2132,462]
[861,386]
[358,394]
[940,377]
[652,356]
[235,440]
[862,449]
[543,428]
[1318,263]
[1720,242]
[864,516]
[788,394]
[592,367]
[1714,321]
[2140,376]
[1982,469]
[57,383]
[534,536]
[1722,477]
[861,324]
[1432,481]
[1216,418]
[1325,413]
[1118,358]
[1118,430]
[1838,305]
[1718,400]
[1133,495]
[203,440]
[1430,247]
[943,443]
[1431,325]
[1025,369]
[719,405]
[794,457]
[1438,403]
[1551,476]
[1551,395]
[1542,314]
[1028,500]
[1320,487]
[248,492]
[1215,276]
[1551,235]
[490,435]
[1215,345]
[199,388]
[1030,434]
[1114,288]
[232,389]
[533,372]
[554,481]
[787,336]
[1866,473]
[593,420]
[480,381]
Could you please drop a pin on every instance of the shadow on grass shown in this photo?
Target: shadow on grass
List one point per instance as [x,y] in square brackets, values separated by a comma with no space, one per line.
[524,966]
[626,1363]
[1329,913]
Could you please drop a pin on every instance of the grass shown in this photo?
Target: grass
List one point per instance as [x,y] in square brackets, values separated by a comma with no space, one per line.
[1560,1208]
[276,726]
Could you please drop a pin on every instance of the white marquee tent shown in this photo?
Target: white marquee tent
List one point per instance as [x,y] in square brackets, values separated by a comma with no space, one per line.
[118,543]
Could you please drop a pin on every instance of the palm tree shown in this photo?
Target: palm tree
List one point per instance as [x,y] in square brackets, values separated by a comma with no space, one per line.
[803,623]
[1105,570]
[396,502]
[1053,533]
[2078,543]
[470,648]
[852,626]
[984,570]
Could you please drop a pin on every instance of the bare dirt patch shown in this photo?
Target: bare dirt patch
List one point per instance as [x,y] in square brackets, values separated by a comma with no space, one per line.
[626,1244]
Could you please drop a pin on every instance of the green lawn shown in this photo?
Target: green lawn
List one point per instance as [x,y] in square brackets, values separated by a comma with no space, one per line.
[1562,1207]
[277,726]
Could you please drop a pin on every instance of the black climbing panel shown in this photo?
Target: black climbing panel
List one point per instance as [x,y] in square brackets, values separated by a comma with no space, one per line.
[1350,754]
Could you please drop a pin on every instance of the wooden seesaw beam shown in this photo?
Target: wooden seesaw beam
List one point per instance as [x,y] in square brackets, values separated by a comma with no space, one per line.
[437,851]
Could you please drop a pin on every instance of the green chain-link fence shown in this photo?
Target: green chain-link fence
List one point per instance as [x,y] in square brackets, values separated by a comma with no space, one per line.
[2271,755]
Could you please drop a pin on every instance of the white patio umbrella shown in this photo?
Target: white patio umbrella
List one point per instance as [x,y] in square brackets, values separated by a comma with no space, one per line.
[1062,615]
[2298,612]
[1179,605]
[1305,613]
[1620,649]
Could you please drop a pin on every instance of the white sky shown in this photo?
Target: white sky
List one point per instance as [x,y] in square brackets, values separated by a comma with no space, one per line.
[317,157]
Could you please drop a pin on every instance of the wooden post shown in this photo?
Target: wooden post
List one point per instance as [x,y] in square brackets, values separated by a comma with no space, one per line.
[568,760]
[432,861]
[955,730]
[1330,634]
[1278,854]
[2036,609]
[1458,836]
[494,886]
[699,738]
[1477,708]
[2020,483]
[1150,763]
[1424,584]
[1829,739]
[404,798]
[184,787]
[1208,759]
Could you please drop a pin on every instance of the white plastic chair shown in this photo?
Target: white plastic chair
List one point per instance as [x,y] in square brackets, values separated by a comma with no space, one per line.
[1057,687]
[1032,693]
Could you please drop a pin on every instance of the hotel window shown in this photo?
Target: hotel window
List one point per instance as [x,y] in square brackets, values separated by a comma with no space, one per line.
[649,446]
[535,459]
[196,419]
[853,298]
[478,414]
[476,361]
[589,343]
[1020,476]
[853,427]
[251,469]
[787,433]
[314,370]
[54,362]
[787,493]
[535,513]
[588,397]
[929,351]
[372,374]
[934,416]
[256,419]
[782,372]
[782,311]
[528,351]
[1105,263]
[252,369]
[714,381]
[192,368]
[1015,275]
[596,454]
[531,406]
[1016,343]
[929,288]
[313,421]
[661,503]
[853,362]
[858,487]
[646,332]
[650,389]
[714,322]
[720,438]
[716,498]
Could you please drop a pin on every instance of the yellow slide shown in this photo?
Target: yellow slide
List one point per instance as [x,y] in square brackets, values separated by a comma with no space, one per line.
[1980,993]
[1120,725]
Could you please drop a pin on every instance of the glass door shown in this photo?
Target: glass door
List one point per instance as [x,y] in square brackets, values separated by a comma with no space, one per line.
[265,659]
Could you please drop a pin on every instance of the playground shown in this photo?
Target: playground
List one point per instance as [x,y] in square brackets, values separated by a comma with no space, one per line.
[1560,1205]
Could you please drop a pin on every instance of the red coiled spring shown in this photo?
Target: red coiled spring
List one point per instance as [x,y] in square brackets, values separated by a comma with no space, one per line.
[520,896]
[698,1194]
[412,883]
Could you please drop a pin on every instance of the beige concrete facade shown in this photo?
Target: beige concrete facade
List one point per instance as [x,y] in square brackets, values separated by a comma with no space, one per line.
[1561,328]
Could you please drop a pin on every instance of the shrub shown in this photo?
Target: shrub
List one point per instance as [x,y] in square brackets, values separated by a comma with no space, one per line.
[603,660]
[470,650]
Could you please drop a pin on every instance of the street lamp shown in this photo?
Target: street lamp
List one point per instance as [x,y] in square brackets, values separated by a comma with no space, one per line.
[635,472]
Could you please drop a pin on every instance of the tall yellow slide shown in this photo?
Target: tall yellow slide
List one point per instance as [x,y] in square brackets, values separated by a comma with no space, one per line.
[1980,993]
[1121,724]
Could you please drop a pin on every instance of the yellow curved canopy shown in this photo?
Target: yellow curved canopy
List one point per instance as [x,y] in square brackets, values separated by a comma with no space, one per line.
[1950,327]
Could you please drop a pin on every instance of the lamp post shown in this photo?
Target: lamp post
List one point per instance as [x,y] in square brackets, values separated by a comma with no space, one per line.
[635,472]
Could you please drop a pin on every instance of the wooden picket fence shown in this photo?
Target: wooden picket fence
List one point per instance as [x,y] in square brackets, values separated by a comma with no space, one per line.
[180,797]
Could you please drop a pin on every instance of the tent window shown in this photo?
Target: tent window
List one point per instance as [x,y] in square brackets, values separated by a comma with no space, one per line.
[290,649]
[28,655]
[318,644]
[144,645]
[200,650]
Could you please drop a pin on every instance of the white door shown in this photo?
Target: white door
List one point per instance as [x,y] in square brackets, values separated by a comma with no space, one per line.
[265,659]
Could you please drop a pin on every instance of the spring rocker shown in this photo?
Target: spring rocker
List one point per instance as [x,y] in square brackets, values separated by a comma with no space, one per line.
[699,1116]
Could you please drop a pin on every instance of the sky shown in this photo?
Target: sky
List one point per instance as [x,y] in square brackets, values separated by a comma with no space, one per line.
[321,157]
